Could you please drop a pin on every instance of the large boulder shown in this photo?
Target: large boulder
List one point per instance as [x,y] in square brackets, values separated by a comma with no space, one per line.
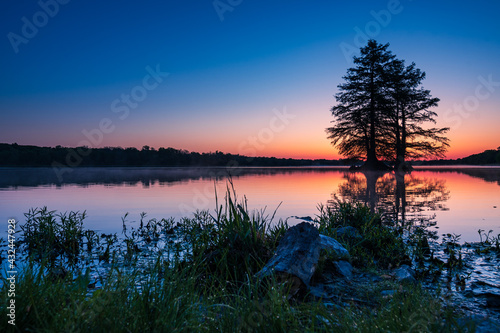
[298,253]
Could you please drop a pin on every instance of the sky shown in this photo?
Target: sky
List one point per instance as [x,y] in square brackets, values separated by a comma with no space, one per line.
[256,78]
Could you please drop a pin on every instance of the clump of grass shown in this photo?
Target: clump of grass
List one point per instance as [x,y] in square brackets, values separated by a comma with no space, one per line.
[232,244]
[48,236]
[380,246]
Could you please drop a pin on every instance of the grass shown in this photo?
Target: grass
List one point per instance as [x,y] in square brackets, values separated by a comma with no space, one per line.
[203,280]
[380,246]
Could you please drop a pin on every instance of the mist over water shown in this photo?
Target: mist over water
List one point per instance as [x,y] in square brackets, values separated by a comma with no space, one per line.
[457,200]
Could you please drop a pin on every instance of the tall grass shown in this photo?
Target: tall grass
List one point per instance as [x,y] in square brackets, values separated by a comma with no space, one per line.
[49,236]
[233,243]
[207,285]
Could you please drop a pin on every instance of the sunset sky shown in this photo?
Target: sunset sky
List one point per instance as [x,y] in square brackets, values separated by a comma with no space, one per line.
[244,76]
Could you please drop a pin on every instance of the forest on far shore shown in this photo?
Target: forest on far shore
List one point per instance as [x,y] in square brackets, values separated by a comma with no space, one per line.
[14,155]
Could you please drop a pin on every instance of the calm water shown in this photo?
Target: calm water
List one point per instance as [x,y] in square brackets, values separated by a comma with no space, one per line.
[449,200]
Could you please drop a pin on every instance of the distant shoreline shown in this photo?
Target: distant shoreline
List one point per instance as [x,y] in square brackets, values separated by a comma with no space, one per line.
[63,158]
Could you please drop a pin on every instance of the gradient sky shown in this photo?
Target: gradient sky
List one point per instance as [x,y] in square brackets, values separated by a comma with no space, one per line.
[233,65]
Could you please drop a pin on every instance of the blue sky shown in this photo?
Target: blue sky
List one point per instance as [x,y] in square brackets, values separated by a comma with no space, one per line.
[229,79]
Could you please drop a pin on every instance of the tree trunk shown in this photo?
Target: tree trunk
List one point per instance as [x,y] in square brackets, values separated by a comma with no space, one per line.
[371,156]
[401,165]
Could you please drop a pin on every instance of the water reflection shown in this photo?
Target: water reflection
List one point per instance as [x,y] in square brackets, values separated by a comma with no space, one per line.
[33,177]
[13,178]
[470,194]
[406,198]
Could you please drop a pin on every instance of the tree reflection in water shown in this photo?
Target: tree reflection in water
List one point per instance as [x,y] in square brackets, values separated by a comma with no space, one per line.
[406,199]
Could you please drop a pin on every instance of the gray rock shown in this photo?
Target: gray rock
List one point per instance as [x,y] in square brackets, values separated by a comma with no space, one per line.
[297,253]
[404,274]
[331,245]
[348,233]
[343,268]
[387,292]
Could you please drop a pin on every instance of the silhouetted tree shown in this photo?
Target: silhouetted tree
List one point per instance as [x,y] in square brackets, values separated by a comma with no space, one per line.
[407,107]
[380,109]
[358,114]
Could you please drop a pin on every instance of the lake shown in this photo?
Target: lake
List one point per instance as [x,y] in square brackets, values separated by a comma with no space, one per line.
[457,200]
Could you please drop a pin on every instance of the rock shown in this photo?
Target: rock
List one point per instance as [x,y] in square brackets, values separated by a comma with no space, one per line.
[333,247]
[298,253]
[492,300]
[348,233]
[332,306]
[387,293]
[404,274]
[343,268]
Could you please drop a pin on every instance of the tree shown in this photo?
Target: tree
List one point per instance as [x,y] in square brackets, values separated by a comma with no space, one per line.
[380,109]
[358,114]
[407,107]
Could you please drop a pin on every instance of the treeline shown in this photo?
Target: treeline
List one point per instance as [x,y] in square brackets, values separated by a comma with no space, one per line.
[487,157]
[34,156]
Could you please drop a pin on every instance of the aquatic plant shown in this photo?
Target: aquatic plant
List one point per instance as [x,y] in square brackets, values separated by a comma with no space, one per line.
[486,236]
[50,236]
[454,250]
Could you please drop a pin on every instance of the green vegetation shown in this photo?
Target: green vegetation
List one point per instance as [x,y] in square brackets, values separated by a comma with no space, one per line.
[380,246]
[202,279]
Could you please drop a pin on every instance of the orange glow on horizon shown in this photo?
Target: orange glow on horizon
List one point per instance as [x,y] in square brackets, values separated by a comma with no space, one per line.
[466,148]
